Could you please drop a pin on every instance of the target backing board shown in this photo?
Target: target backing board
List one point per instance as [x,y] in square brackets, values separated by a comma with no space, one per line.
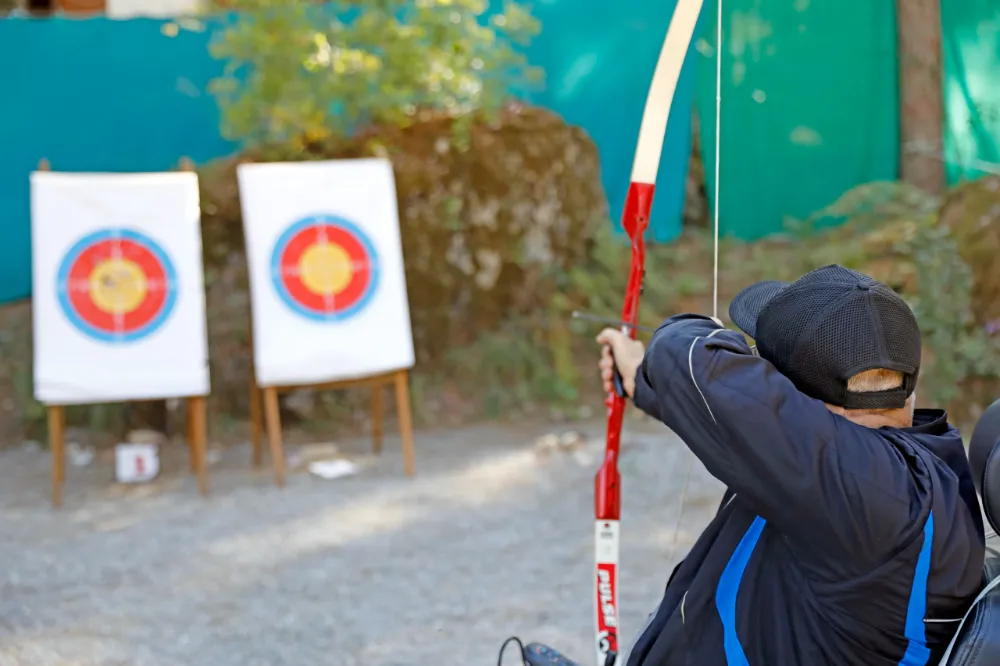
[326,271]
[118,289]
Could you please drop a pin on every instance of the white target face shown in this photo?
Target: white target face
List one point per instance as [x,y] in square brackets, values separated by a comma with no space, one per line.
[327,282]
[118,290]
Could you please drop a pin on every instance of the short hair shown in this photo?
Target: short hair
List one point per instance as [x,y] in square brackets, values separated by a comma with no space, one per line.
[871,381]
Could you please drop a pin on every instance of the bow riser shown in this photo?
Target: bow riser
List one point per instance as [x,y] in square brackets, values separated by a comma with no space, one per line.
[607,483]
[635,220]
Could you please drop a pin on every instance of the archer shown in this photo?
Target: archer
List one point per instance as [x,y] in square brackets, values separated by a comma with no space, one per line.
[850,532]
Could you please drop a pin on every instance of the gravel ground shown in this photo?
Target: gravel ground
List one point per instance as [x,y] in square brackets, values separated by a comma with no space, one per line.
[490,539]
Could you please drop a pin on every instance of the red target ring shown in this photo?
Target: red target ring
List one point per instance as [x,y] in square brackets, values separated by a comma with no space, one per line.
[325,268]
[117,285]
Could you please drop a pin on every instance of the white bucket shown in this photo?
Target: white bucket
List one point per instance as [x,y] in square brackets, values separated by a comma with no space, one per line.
[136,463]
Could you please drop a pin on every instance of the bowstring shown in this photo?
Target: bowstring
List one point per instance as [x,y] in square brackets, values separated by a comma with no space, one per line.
[718,143]
[715,248]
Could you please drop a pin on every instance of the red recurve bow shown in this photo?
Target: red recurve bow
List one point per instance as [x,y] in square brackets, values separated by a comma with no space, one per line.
[607,500]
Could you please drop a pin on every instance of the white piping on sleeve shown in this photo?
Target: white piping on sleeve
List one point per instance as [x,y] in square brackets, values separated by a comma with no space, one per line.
[691,370]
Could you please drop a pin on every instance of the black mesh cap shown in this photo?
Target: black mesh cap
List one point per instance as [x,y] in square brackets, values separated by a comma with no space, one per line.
[828,326]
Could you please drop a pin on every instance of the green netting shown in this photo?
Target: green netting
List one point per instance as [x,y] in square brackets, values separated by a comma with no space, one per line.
[810,106]
[971,45]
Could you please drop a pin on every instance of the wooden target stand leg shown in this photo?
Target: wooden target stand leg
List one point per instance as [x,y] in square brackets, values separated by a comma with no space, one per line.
[401,379]
[197,421]
[198,440]
[197,412]
[272,416]
[256,415]
[377,418]
[57,446]
[256,421]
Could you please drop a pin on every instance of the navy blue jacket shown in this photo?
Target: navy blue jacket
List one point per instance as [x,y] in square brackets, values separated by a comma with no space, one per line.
[835,544]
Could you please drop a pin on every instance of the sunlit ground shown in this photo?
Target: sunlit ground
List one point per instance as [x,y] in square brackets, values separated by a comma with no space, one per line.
[490,539]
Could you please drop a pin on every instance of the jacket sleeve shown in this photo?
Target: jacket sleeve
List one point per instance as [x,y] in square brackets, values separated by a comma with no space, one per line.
[832,484]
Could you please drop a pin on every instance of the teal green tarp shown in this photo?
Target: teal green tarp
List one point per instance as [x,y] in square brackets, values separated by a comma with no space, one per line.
[95,95]
[809,103]
[971,45]
[127,96]
[809,106]
[599,61]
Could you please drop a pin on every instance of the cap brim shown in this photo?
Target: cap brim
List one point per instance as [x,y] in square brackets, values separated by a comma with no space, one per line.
[747,305]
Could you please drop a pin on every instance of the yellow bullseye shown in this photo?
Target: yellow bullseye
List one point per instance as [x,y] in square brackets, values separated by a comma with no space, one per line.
[117,286]
[326,269]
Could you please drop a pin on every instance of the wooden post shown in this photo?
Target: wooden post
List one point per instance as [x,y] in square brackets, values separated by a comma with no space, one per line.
[272,415]
[377,418]
[198,429]
[256,417]
[192,437]
[256,427]
[197,408]
[405,422]
[57,422]
[57,441]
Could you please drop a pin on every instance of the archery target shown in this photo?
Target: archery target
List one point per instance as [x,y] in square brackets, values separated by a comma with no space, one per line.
[327,284]
[325,268]
[118,289]
[117,285]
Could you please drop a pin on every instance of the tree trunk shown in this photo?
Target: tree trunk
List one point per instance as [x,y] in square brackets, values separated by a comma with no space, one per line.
[696,210]
[921,94]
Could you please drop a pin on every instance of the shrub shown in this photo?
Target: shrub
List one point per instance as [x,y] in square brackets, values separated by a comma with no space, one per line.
[298,71]
[496,234]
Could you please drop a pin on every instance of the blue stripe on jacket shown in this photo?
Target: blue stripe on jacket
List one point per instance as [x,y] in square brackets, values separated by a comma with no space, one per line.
[917,652]
[729,586]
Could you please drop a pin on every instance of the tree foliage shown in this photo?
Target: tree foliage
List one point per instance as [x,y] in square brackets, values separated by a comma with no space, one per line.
[300,72]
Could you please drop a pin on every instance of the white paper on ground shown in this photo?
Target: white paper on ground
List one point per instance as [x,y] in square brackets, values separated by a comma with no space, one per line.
[333,469]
